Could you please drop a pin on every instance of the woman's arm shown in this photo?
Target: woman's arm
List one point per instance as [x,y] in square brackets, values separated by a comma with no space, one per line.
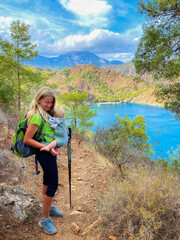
[28,139]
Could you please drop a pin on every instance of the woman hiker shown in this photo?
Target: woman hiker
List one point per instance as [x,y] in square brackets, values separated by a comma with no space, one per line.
[42,105]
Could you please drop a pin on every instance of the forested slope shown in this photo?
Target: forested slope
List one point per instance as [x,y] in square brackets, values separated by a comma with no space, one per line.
[103,85]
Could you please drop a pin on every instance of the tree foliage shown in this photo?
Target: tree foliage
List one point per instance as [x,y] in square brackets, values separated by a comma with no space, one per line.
[170,94]
[18,81]
[77,110]
[124,141]
[159,49]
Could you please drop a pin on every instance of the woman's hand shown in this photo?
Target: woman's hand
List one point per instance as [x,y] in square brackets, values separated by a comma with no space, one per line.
[54,152]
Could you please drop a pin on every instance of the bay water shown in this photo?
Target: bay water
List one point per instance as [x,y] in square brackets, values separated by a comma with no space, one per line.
[161,127]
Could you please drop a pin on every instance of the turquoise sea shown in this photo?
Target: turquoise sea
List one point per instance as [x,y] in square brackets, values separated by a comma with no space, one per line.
[161,127]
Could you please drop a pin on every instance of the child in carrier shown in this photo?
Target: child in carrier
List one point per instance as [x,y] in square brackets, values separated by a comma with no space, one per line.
[57,122]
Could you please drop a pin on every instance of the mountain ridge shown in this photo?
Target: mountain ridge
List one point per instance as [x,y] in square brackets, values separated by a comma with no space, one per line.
[71,59]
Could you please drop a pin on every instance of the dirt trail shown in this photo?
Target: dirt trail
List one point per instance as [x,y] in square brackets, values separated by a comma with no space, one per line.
[89,182]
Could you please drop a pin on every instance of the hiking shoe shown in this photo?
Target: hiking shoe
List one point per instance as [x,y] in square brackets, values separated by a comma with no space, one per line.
[47,225]
[55,212]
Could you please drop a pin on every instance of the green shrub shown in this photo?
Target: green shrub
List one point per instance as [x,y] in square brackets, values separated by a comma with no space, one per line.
[124,141]
[173,163]
[174,158]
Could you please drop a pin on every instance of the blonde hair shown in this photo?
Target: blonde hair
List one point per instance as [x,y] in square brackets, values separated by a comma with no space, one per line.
[35,106]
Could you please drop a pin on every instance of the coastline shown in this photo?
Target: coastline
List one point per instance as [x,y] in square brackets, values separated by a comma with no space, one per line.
[132,102]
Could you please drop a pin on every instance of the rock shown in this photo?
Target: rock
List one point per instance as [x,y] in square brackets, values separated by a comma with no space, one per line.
[75,228]
[91,227]
[79,208]
[19,213]
[18,200]
[112,237]
[15,179]
[80,179]
[141,229]
[76,212]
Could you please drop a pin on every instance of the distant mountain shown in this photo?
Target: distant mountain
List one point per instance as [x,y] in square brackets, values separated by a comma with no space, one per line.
[71,59]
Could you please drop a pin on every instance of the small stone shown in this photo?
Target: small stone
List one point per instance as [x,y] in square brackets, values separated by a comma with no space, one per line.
[15,179]
[92,185]
[94,199]
[75,228]
[79,209]
[80,179]
[10,183]
[112,237]
[76,212]
[141,229]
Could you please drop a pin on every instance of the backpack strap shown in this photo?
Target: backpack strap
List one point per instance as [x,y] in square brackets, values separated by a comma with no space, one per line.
[39,134]
[36,165]
[23,128]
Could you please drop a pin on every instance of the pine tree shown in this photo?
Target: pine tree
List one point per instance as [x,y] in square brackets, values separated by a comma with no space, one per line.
[77,110]
[13,55]
[158,52]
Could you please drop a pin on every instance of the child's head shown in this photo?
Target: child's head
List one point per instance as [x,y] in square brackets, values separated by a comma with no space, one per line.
[43,102]
[58,113]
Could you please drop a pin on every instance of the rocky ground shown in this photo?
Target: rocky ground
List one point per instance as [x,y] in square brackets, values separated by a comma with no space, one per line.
[90,174]
[89,182]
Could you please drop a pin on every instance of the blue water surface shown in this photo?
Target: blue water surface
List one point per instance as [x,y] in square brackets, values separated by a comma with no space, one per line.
[161,127]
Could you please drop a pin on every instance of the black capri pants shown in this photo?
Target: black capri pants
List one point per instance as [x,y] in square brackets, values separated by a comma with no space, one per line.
[48,163]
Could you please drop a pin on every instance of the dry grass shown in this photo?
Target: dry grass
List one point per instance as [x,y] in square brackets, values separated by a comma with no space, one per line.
[144,206]
[11,172]
[10,169]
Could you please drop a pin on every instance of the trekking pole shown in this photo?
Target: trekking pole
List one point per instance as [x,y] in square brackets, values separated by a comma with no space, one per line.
[69,162]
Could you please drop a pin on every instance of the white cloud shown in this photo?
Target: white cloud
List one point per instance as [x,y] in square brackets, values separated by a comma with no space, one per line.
[125,57]
[105,43]
[87,7]
[5,22]
[88,12]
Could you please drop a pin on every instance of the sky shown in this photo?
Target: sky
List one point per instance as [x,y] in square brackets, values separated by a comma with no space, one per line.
[111,29]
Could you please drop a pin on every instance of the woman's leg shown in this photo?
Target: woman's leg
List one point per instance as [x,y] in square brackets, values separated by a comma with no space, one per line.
[44,189]
[50,180]
[47,203]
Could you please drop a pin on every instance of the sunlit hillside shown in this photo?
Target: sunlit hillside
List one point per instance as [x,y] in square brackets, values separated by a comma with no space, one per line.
[103,85]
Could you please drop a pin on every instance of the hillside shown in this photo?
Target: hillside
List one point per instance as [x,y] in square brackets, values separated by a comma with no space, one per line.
[127,69]
[103,85]
[144,204]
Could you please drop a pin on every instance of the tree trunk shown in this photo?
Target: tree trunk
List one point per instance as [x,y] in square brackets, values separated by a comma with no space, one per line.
[19,87]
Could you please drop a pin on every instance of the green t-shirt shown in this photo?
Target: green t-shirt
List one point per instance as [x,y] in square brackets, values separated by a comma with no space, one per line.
[47,129]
